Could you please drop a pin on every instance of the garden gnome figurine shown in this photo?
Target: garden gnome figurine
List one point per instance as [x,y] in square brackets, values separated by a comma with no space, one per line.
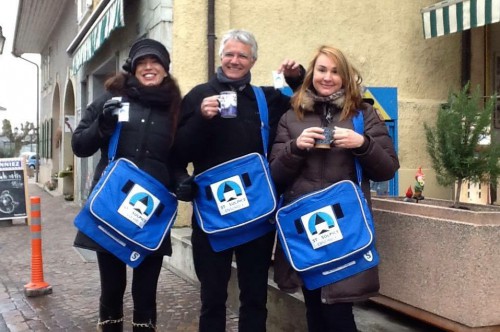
[409,195]
[419,185]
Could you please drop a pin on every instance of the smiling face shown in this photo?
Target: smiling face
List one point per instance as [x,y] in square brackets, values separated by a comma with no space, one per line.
[149,71]
[236,59]
[326,77]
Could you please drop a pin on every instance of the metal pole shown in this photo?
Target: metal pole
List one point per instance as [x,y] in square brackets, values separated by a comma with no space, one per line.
[37,163]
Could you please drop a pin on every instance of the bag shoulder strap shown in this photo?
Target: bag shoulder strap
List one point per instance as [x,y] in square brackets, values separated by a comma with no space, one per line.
[264,116]
[113,142]
[359,127]
[358,123]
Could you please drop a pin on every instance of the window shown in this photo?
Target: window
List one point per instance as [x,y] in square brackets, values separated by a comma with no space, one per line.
[46,139]
[84,6]
[46,81]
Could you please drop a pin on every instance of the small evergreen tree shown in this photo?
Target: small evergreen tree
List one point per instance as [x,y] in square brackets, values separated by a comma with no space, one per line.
[454,143]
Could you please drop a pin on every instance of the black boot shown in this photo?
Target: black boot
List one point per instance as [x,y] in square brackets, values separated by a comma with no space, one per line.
[143,327]
[144,322]
[110,320]
[110,325]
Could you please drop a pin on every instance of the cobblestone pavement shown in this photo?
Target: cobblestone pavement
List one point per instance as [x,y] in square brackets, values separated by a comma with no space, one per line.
[72,306]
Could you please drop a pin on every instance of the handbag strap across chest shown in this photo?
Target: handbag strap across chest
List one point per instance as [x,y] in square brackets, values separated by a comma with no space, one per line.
[264,116]
[113,142]
[359,127]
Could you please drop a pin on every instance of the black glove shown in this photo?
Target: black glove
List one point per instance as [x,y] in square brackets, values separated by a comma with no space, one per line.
[186,189]
[111,106]
[108,118]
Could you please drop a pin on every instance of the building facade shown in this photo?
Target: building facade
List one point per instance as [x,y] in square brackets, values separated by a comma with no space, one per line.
[82,42]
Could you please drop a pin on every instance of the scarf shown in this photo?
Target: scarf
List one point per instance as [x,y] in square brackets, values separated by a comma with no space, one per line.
[325,107]
[154,96]
[234,84]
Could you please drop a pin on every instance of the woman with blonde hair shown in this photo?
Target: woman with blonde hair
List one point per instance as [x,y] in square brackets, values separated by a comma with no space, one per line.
[329,98]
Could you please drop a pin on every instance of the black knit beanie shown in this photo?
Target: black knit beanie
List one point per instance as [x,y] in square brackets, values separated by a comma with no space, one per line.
[146,47]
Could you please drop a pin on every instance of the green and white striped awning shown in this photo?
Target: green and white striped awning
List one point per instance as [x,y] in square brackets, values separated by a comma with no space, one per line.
[451,16]
[110,19]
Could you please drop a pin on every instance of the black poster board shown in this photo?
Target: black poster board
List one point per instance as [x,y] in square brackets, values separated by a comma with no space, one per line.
[13,189]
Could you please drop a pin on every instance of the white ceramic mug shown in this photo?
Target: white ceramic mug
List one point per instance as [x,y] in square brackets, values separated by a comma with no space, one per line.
[228,103]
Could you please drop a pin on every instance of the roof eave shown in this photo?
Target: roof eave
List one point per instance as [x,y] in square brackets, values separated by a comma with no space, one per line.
[35,23]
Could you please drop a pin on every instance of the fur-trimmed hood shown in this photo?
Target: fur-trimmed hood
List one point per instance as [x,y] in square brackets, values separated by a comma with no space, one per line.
[310,99]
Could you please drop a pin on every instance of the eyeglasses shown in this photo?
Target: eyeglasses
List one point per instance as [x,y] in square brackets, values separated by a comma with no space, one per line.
[239,56]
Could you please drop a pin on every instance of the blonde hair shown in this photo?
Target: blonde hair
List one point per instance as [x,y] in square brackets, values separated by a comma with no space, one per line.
[351,83]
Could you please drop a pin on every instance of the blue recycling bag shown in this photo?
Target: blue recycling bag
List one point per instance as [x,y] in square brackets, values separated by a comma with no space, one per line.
[328,235]
[235,201]
[129,213]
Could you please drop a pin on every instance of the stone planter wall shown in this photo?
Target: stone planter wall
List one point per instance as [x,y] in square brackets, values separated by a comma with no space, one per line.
[440,264]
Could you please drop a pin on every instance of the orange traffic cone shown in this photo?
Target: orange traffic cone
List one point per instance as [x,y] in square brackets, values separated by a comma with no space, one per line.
[37,286]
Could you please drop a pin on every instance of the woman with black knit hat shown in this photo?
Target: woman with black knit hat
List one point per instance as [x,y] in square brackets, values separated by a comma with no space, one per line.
[146,137]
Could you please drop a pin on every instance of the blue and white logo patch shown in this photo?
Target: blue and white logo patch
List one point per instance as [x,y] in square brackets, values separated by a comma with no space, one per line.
[368,256]
[134,256]
[321,227]
[229,195]
[139,205]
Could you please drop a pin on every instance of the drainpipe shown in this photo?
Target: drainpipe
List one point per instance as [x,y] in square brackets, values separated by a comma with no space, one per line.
[486,63]
[211,38]
[466,58]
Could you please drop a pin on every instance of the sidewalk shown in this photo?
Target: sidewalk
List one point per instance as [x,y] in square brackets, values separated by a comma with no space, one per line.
[73,304]
[74,278]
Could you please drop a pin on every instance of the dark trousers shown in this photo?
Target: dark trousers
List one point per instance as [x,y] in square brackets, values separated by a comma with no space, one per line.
[213,269]
[113,274]
[337,317]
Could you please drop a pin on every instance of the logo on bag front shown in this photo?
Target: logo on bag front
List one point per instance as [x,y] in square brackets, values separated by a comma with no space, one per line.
[139,205]
[134,256]
[229,195]
[321,227]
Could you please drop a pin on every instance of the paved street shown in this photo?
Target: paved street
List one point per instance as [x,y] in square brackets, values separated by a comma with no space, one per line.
[72,306]
[74,279]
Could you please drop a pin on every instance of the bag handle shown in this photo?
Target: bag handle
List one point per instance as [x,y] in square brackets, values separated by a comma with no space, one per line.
[264,116]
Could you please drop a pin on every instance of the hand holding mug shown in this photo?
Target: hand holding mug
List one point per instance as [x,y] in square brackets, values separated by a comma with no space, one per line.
[347,138]
[111,107]
[308,137]
[210,107]
[225,104]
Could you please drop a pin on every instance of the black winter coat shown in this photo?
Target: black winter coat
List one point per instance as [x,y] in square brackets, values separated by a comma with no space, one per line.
[145,139]
[207,143]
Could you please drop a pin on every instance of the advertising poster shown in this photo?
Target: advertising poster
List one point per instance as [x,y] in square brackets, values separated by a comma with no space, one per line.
[12,189]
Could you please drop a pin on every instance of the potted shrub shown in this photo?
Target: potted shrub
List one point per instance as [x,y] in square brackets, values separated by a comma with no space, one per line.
[440,263]
[455,142]
[67,172]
